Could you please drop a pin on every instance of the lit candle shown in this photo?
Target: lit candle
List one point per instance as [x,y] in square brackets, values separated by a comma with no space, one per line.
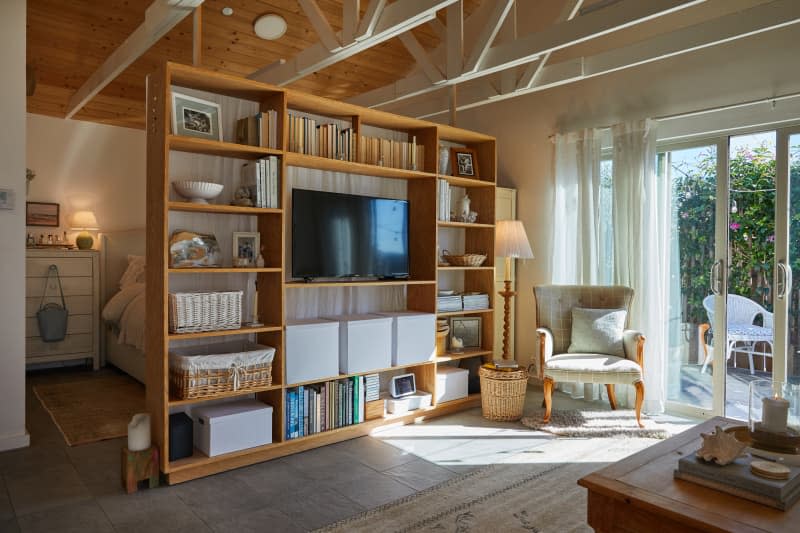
[775,414]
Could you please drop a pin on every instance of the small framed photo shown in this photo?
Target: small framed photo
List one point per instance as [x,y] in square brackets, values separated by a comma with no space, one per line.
[464,162]
[246,247]
[42,214]
[194,117]
[465,332]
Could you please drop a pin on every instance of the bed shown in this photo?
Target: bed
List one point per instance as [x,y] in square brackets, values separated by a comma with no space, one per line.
[127,313]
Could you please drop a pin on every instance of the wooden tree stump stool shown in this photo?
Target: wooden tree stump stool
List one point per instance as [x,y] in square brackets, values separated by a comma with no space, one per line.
[139,466]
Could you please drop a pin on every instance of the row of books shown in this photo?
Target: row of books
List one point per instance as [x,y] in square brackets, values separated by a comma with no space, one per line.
[443,190]
[262,178]
[465,302]
[321,407]
[323,140]
[258,130]
[389,153]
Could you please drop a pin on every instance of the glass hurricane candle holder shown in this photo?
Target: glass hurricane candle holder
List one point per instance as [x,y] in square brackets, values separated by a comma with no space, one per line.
[774,415]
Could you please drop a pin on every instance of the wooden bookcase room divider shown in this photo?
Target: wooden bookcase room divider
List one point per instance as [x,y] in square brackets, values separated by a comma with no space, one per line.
[273,282]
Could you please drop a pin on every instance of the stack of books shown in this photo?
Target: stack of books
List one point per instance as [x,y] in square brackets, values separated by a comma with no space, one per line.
[372,387]
[262,179]
[475,301]
[448,304]
[321,407]
[258,130]
[443,190]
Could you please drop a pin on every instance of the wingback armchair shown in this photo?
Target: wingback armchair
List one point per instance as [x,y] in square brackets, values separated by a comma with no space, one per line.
[554,304]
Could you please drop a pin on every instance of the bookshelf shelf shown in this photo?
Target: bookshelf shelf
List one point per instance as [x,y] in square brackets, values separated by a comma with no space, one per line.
[273,283]
[446,268]
[222,209]
[462,313]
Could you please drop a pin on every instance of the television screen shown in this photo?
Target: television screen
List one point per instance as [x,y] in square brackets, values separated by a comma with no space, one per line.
[343,235]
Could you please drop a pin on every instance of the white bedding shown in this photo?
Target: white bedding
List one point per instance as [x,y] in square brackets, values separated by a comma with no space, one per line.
[126,310]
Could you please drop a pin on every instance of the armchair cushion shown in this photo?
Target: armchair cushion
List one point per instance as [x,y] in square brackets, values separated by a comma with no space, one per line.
[592,368]
[597,331]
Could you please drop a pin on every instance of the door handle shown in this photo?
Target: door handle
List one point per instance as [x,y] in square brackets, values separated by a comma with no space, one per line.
[715,280]
[784,279]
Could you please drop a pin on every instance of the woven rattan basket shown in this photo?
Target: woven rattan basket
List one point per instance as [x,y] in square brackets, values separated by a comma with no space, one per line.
[191,312]
[503,394]
[466,260]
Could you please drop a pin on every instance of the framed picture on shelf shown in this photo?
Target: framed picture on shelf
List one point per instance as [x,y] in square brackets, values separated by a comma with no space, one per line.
[467,329]
[246,246]
[42,214]
[194,117]
[464,162]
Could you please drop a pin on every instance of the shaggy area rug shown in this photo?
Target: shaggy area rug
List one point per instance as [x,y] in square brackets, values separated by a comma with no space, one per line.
[585,423]
[504,497]
[93,409]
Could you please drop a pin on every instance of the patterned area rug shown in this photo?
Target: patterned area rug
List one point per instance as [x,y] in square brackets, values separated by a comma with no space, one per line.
[93,409]
[504,497]
[585,423]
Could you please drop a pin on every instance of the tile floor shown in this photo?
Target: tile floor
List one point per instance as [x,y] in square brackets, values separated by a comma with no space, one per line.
[52,487]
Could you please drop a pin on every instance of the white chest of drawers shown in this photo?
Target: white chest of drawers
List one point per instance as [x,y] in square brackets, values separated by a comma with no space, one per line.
[80,279]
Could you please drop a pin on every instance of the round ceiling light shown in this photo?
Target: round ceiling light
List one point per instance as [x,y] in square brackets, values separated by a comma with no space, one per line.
[270,26]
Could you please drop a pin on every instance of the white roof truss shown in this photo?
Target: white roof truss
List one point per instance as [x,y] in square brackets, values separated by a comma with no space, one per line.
[316,17]
[161,16]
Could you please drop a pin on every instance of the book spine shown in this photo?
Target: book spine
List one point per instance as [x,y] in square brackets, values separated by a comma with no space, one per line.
[275,180]
[295,413]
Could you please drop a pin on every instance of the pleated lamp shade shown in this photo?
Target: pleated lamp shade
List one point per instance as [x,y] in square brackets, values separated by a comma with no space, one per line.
[511,240]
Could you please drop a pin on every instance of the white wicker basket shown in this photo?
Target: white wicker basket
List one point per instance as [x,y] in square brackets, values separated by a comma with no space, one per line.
[190,312]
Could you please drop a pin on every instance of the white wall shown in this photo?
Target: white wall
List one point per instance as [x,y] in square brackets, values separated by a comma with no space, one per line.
[744,70]
[83,165]
[12,226]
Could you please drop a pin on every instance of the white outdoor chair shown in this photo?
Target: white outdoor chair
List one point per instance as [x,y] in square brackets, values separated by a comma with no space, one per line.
[743,335]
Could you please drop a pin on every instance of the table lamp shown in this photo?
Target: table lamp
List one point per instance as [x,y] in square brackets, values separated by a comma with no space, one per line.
[511,242]
[84,221]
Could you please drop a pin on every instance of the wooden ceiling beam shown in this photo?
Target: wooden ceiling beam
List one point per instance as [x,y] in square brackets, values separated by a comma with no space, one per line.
[455,40]
[351,10]
[395,19]
[326,35]
[488,33]
[367,25]
[160,18]
[532,46]
[424,62]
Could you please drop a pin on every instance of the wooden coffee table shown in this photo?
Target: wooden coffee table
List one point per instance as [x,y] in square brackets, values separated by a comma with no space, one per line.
[639,493]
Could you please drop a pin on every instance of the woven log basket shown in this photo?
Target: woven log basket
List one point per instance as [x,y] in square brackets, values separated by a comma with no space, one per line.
[503,394]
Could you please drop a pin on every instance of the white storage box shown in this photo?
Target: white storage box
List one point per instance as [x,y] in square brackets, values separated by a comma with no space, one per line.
[231,426]
[365,343]
[312,350]
[413,337]
[451,383]
[412,402]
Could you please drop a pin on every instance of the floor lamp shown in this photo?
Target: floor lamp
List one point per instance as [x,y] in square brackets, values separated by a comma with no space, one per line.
[511,242]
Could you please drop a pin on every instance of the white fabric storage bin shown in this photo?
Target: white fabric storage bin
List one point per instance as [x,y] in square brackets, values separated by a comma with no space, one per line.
[312,350]
[232,426]
[365,343]
[451,383]
[413,337]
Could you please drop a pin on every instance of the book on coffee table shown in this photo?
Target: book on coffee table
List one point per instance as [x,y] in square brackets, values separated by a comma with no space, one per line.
[737,479]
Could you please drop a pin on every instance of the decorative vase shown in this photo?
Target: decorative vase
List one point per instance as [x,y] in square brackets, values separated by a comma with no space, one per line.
[463,208]
[444,160]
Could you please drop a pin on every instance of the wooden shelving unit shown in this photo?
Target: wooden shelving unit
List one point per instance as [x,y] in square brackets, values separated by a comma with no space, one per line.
[420,289]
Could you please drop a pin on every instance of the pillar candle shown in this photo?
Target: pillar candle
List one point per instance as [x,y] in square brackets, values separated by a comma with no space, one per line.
[775,413]
[139,432]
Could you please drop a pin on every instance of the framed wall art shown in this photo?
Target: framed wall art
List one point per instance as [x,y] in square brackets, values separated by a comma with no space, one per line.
[464,162]
[194,117]
[467,329]
[42,214]
[246,246]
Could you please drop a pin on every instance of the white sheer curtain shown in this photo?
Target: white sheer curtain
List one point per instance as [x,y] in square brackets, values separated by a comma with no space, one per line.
[576,224]
[641,244]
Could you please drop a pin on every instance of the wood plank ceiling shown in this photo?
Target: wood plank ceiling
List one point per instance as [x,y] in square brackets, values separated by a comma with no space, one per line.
[67,40]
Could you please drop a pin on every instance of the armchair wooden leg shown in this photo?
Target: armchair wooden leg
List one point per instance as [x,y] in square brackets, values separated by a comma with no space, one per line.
[639,401]
[548,398]
[612,395]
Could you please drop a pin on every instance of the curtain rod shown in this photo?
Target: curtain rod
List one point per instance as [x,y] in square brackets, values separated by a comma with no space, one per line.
[772,100]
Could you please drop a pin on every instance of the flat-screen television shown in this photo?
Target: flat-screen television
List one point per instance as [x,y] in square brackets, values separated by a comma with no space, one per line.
[344,236]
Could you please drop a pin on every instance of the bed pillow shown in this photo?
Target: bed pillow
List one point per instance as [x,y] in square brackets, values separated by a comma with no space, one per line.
[597,331]
[113,310]
[134,273]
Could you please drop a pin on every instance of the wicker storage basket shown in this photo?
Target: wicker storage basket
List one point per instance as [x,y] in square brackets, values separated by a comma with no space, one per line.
[208,370]
[503,394]
[467,260]
[190,312]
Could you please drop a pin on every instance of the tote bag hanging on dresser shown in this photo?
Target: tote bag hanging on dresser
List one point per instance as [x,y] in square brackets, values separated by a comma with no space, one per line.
[52,317]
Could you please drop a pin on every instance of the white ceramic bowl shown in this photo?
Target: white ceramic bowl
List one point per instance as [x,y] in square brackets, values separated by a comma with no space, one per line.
[198,192]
